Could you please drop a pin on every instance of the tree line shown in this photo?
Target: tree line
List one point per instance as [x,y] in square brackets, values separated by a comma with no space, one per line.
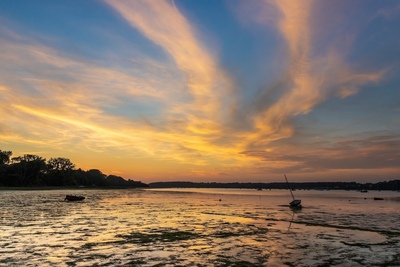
[386,185]
[33,170]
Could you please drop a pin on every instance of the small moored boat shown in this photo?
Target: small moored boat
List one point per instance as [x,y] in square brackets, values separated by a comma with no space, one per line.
[295,203]
[74,198]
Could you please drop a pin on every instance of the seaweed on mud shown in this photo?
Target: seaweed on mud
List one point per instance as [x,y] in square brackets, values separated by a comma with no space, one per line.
[383,232]
[137,237]
[290,264]
[361,245]
[159,236]
[88,245]
[395,261]
[133,263]
[389,233]
[359,261]
[228,263]
[233,234]
[332,262]
[177,236]
[168,235]
[225,234]
[6,260]
[304,246]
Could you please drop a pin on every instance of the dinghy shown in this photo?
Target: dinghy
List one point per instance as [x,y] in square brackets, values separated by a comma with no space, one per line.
[74,198]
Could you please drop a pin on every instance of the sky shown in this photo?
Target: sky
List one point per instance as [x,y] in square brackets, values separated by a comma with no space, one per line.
[205,90]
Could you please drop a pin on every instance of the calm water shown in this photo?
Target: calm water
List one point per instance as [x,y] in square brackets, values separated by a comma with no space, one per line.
[199,227]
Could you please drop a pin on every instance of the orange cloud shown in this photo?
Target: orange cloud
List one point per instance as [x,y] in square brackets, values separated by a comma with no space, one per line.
[69,113]
[162,23]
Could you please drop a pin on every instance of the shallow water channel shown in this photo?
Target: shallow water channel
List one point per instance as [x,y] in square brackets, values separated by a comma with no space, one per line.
[199,227]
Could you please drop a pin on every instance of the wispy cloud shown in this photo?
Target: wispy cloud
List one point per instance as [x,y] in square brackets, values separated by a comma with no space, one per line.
[271,124]
[390,12]
[163,24]
[310,79]
[54,98]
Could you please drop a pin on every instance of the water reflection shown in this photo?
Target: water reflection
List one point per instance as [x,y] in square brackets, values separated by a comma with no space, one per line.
[291,220]
[148,227]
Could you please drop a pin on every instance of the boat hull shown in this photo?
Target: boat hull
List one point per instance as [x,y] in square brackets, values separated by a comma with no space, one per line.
[295,203]
[74,198]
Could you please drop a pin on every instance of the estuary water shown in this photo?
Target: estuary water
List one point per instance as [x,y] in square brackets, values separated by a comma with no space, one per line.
[199,227]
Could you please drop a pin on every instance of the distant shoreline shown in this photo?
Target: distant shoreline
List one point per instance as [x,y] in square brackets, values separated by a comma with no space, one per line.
[38,188]
[393,185]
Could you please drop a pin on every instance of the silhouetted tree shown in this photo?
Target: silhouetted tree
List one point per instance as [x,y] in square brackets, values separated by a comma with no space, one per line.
[5,157]
[96,177]
[28,169]
[33,170]
[81,177]
[113,180]
[60,172]
[4,160]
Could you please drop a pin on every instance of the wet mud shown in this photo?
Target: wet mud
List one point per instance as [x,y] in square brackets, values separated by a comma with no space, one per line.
[163,228]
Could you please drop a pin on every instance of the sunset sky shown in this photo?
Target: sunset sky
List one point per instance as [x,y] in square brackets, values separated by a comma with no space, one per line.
[205,90]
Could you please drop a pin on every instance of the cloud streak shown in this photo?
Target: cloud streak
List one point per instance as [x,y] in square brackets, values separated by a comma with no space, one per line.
[162,23]
[66,99]
[310,79]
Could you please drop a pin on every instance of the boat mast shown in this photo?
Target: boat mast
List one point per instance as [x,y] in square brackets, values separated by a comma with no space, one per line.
[289,187]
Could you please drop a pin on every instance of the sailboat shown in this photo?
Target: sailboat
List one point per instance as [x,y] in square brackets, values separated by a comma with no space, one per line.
[295,203]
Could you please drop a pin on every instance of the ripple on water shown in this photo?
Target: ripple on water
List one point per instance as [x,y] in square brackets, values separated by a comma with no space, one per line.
[146,228]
